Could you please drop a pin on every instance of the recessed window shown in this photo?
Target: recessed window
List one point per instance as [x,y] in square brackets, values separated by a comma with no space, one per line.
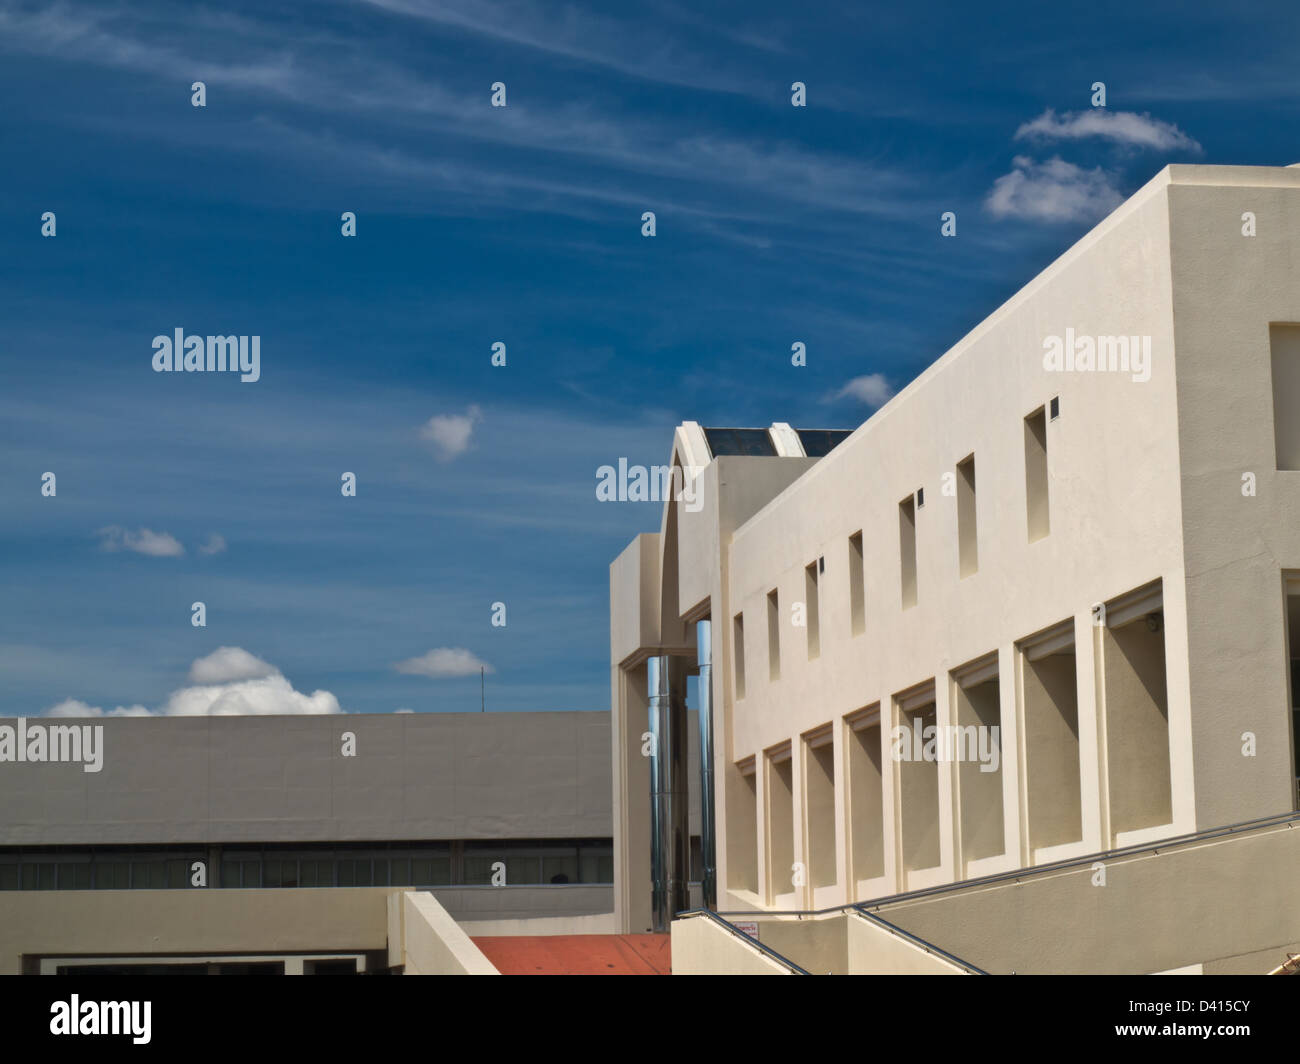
[1136,700]
[920,497]
[918,778]
[866,796]
[1284,342]
[857,590]
[977,705]
[967,542]
[773,636]
[742,830]
[780,823]
[1050,704]
[812,610]
[1055,407]
[1036,474]
[738,652]
[907,550]
[819,806]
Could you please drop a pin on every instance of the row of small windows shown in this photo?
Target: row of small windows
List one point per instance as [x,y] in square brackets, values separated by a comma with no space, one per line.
[963,488]
[434,865]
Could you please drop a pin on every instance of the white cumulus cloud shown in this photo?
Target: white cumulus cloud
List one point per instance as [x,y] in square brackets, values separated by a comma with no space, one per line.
[1121,127]
[74,707]
[143,541]
[871,389]
[442,662]
[228,664]
[265,696]
[450,433]
[228,682]
[1052,191]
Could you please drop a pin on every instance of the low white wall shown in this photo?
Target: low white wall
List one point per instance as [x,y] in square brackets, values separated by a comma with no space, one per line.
[703,947]
[432,943]
[876,950]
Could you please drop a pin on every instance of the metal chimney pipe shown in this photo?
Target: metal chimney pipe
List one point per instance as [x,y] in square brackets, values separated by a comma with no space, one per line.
[669,833]
[708,846]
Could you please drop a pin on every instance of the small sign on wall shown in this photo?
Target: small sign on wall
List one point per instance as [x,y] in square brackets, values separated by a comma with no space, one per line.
[748,927]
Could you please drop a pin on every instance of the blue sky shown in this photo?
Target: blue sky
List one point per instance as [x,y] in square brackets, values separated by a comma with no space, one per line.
[520,224]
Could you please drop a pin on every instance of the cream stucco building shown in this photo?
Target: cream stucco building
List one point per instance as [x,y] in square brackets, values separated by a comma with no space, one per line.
[1073,542]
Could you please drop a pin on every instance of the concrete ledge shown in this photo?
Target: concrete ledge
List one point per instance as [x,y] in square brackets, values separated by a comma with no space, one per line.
[542,926]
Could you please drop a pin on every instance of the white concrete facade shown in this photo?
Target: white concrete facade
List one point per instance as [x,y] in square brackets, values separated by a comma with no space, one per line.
[1097,566]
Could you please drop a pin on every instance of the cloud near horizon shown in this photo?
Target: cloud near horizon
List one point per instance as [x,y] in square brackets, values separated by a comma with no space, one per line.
[442,662]
[228,682]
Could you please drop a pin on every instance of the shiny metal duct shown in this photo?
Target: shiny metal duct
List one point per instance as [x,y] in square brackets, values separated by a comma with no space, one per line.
[708,855]
[669,832]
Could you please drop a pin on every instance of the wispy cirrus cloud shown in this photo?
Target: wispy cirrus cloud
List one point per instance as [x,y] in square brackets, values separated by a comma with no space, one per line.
[872,389]
[716,174]
[634,49]
[1119,127]
[115,538]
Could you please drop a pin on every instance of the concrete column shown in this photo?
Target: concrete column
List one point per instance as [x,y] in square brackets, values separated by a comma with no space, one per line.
[669,829]
[708,844]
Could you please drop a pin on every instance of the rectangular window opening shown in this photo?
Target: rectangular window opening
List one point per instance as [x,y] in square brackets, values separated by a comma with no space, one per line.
[812,611]
[738,652]
[907,550]
[1136,701]
[1036,475]
[1051,724]
[967,536]
[857,589]
[773,636]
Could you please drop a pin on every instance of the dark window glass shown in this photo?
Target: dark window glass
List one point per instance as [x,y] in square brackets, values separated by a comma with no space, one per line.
[739,441]
[74,876]
[817,443]
[112,875]
[178,873]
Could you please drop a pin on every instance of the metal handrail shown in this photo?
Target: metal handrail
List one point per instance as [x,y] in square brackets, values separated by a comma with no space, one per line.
[1034,870]
[916,940]
[761,947]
